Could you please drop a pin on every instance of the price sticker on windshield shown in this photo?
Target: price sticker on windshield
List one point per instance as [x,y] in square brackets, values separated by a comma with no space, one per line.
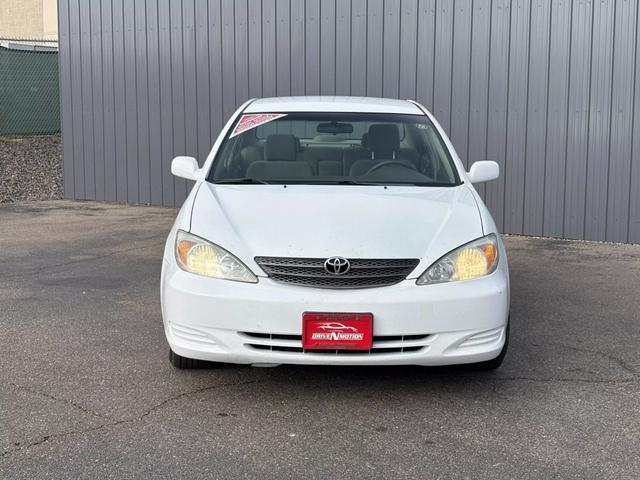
[253,120]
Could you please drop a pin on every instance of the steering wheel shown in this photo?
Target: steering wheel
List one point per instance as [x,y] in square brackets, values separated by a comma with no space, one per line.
[390,162]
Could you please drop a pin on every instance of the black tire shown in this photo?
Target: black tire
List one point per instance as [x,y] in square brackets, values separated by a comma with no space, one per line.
[494,363]
[181,362]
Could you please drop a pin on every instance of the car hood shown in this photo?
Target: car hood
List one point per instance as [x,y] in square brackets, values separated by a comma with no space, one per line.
[322,221]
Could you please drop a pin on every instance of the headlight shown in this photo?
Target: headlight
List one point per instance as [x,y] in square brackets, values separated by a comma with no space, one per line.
[201,257]
[473,260]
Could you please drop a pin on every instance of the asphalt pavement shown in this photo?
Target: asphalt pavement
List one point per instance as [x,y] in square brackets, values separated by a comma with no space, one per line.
[87,391]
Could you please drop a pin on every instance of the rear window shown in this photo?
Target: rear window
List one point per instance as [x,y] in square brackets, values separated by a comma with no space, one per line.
[334,148]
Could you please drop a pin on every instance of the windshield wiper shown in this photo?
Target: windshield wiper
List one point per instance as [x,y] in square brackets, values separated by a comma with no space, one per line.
[434,184]
[394,183]
[239,181]
[353,182]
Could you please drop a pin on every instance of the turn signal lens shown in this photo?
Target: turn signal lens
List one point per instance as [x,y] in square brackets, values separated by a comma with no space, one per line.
[473,260]
[196,255]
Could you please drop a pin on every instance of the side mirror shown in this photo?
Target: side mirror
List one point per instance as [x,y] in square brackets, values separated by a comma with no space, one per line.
[185,167]
[484,171]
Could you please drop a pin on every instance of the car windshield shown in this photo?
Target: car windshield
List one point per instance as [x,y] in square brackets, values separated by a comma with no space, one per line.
[334,149]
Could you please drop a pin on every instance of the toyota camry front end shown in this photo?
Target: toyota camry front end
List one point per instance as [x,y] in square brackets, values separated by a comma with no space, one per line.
[334,230]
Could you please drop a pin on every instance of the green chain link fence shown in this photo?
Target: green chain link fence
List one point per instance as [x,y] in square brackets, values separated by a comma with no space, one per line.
[29,92]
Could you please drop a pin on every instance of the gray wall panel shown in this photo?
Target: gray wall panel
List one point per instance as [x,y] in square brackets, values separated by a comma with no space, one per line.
[155,100]
[343,47]
[634,169]
[547,88]
[120,138]
[75,87]
[358,47]
[131,103]
[557,117]
[426,52]
[497,116]
[190,79]
[228,66]
[599,120]
[518,91]
[391,50]
[460,79]
[268,47]
[97,113]
[242,50]
[283,47]
[408,48]
[166,105]
[108,96]
[479,84]
[202,78]
[86,99]
[142,102]
[178,90]
[374,50]
[311,29]
[255,52]
[66,100]
[215,68]
[297,48]
[578,122]
[538,90]
[327,47]
[443,62]
[617,213]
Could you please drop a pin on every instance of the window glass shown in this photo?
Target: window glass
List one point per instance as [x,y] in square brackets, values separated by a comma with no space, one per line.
[334,148]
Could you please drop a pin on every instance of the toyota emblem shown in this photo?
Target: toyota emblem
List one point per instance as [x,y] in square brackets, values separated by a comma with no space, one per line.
[337,265]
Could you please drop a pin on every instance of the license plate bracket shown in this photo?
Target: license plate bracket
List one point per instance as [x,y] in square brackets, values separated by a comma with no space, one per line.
[337,331]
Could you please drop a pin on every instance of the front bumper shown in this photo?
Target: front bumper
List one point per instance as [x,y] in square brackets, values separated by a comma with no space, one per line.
[225,321]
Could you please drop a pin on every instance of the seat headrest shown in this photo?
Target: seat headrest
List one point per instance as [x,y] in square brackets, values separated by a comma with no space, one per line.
[251,153]
[282,147]
[364,141]
[384,140]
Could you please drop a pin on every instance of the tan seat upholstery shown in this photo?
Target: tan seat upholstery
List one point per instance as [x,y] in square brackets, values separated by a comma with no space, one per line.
[280,160]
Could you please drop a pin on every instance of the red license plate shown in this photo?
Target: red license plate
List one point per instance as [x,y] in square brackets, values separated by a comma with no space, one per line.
[337,331]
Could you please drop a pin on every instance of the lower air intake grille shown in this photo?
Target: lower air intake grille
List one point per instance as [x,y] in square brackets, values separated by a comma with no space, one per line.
[381,344]
[373,351]
[363,272]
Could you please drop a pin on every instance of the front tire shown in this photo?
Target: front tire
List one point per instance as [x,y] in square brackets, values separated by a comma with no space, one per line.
[494,363]
[178,361]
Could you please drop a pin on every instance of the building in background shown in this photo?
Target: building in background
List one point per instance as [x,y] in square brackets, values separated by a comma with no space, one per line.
[548,89]
[29,19]
[29,88]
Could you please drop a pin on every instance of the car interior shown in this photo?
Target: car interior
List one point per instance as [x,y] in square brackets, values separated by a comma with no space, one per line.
[383,152]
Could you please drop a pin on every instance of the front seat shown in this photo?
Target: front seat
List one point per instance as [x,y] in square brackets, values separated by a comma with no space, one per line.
[280,160]
[383,142]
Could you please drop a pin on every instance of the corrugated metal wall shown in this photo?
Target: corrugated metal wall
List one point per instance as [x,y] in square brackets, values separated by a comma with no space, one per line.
[547,88]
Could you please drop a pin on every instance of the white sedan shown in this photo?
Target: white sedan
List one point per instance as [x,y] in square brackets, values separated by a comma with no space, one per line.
[334,230]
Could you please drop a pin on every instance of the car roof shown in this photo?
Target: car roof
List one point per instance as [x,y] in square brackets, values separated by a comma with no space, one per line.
[332,104]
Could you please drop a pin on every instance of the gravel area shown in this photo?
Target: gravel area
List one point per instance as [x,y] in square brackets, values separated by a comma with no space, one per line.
[30,168]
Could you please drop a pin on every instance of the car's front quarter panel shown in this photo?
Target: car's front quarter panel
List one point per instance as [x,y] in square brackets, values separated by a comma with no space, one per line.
[182,221]
[489,226]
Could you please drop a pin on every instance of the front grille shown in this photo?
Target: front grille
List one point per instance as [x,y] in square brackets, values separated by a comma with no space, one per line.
[364,272]
[381,344]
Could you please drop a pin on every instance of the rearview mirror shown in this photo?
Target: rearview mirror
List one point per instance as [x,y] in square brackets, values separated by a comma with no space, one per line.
[335,128]
[484,171]
[185,167]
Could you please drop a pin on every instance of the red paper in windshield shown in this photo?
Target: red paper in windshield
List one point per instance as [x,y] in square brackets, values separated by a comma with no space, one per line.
[252,120]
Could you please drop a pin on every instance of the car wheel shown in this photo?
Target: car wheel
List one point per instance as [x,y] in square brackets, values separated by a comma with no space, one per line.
[494,363]
[181,362]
